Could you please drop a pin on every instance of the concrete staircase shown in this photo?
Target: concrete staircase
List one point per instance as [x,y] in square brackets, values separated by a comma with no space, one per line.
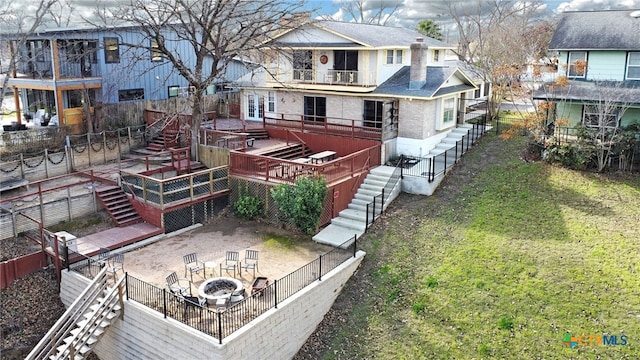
[117,204]
[353,220]
[81,326]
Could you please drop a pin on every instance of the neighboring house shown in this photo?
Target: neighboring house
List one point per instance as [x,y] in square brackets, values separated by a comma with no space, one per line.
[599,53]
[391,80]
[58,71]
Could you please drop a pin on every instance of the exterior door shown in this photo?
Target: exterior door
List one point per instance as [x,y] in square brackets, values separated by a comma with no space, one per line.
[254,108]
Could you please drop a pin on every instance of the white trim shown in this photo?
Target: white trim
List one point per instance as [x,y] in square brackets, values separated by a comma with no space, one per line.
[637,65]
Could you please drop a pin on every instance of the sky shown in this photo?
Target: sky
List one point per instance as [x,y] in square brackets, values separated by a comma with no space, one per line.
[408,14]
[411,12]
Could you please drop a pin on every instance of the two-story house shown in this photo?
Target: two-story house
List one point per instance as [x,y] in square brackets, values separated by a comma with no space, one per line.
[391,81]
[599,54]
[66,72]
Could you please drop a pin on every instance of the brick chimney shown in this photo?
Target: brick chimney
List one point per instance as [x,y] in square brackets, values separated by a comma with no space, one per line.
[418,73]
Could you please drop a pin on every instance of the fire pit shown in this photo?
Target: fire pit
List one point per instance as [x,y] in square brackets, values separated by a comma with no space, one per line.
[221,288]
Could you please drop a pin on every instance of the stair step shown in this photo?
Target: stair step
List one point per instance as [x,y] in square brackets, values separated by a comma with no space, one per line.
[97,332]
[83,350]
[372,187]
[349,223]
[368,192]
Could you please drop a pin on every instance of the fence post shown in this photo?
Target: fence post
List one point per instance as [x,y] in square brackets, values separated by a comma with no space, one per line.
[164,302]
[126,285]
[320,270]
[46,160]
[275,293]
[401,166]
[89,147]
[21,165]
[219,327]
[355,241]
[104,145]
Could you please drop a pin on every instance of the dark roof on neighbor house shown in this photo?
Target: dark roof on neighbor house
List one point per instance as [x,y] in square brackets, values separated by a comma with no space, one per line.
[621,92]
[398,84]
[597,30]
[368,35]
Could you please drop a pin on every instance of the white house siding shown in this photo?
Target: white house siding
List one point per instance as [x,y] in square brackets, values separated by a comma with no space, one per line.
[277,334]
[385,71]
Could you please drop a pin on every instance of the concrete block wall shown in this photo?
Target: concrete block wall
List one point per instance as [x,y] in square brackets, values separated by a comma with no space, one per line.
[277,334]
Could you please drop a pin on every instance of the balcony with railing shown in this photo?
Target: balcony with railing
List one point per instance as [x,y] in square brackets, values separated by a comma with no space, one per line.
[327,77]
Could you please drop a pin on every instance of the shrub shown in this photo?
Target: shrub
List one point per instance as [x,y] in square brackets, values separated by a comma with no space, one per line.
[248,207]
[303,203]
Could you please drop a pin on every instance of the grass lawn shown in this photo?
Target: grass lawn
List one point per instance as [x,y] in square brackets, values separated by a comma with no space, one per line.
[504,259]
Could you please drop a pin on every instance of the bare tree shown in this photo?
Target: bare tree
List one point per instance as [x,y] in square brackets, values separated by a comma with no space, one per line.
[217,31]
[369,12]
[18,23]
[500,37]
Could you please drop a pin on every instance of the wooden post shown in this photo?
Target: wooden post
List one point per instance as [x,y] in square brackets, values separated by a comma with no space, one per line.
[89,147]
[46,160]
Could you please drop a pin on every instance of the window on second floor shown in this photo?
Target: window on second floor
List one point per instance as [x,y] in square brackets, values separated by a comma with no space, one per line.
[577,63]
[633,66]
[302,65]
[596,117]
[111,50]
[394,57]
[156,55]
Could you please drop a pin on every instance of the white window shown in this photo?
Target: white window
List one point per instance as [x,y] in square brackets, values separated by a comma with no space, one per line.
[271,104]
[633,66]
[449,110]
[156,55]
[596,117]
[389,56]
[436,55]
[394,57]
[398,56]
[577,64]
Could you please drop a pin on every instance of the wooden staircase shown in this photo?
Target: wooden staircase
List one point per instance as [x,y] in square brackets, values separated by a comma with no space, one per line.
[81,326]
[117,204]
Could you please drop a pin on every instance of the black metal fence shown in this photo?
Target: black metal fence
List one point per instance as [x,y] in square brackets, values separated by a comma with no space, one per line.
[432,166]
[222,323]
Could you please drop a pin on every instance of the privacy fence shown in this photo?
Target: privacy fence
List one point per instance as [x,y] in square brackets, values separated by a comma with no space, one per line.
[222,323]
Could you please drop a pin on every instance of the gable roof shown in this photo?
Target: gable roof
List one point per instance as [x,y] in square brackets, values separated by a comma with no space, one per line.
[365,35]
[398,84]
[597,30]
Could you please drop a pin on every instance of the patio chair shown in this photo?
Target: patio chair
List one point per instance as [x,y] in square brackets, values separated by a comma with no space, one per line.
[103,257]
[193,303]
[173,282]
[230,262]
[192,265]
[116,263]
[250,261]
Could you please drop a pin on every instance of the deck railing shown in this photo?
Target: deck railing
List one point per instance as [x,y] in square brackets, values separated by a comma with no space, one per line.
[224,139]
[176,190]
[328,77]
[221,324]
[270,168]
[361,129]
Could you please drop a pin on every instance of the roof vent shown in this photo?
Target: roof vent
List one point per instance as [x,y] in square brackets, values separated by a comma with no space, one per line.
[635,14]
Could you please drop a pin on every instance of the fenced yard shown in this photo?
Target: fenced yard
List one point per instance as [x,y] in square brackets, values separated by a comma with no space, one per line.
[503,261]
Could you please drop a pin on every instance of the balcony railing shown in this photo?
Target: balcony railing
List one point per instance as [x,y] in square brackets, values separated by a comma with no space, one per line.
[362,129]
[68,70]
[329,77]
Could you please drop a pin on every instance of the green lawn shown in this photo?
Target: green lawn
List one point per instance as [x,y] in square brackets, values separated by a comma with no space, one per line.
[500,262]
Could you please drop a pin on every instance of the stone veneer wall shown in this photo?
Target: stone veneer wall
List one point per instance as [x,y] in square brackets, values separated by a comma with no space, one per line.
[277,334]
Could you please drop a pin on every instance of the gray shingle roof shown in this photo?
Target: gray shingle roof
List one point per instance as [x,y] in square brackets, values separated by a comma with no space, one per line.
[598,30]
[623,92]
[372,35]
[398,84]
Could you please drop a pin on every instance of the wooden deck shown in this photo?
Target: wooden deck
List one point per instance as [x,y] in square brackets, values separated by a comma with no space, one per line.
[112,239]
